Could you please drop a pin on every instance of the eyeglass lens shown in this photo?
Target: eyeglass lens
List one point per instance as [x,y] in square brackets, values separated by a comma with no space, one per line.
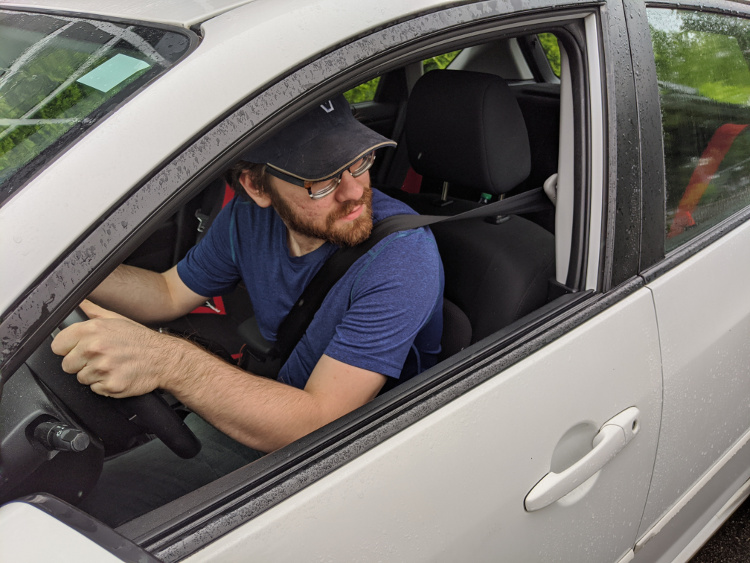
[324,187]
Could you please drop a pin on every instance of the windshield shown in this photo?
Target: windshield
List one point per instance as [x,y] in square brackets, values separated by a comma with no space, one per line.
[59,75]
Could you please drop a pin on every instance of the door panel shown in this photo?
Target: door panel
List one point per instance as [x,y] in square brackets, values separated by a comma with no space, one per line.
[703,309]
[452,486]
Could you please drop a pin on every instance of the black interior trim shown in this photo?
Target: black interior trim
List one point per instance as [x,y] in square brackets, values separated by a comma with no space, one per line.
[575,47]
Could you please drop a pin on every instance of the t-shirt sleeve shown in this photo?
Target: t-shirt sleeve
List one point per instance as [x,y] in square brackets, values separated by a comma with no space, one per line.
[209,267]
[396,293]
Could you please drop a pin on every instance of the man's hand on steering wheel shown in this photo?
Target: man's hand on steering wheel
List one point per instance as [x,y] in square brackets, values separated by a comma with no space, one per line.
[117,357]
[113,355]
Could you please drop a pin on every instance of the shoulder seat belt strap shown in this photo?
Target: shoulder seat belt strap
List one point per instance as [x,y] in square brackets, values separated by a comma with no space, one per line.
[293,327]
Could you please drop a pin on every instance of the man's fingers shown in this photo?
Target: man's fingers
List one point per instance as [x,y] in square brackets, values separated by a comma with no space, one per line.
[100,388]
[69,338]
[65,341]
[73,363]
[93,311]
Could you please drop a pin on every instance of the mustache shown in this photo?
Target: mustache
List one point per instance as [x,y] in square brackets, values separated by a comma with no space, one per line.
[350,206]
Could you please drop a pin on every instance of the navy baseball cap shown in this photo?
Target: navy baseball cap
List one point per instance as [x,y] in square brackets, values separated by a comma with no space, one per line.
[320,144]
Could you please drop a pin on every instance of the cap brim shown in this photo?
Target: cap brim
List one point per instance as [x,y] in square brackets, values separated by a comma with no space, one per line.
[320,144]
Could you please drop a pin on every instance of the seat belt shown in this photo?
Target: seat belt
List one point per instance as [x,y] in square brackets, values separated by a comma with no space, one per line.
[294,326]
[213,201]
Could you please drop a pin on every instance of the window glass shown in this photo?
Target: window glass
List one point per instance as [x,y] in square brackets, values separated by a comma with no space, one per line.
[702,65]
[59,75]
[551,49]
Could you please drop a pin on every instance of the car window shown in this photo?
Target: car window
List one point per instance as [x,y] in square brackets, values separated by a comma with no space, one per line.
[59,75]
[366,92]
[439,62]
[703,70]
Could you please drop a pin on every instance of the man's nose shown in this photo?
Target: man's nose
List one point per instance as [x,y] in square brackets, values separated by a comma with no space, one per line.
[351,188]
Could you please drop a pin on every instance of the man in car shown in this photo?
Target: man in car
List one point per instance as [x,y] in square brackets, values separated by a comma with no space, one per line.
[307,193]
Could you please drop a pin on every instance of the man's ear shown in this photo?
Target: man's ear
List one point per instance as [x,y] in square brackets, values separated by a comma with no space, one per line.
[257,195]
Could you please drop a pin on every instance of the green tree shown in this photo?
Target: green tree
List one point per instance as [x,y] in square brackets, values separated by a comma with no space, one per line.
[551,48]
[439,62]
[364,92]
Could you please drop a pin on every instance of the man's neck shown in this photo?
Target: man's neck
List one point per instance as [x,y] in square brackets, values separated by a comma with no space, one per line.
[299,245]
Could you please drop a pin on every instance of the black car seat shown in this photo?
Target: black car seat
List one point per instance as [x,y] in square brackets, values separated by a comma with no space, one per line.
[466,128]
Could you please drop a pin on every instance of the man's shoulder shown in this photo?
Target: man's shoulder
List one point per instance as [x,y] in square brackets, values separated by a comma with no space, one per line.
[407,253]
[240,215]
[384,206]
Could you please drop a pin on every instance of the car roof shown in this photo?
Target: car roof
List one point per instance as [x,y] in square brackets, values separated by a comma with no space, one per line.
[183,13]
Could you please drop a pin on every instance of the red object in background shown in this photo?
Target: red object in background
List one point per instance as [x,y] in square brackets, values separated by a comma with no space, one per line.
[717,149]
[217,302]
[412,182]
[228,195]
[217,309]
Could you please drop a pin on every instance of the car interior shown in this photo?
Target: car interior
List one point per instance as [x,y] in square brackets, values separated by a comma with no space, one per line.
[506,262]
[486,127]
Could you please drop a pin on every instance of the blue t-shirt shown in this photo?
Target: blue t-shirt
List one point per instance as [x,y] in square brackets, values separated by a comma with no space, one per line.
[383,315]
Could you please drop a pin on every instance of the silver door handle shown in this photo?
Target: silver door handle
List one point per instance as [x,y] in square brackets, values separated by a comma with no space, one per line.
[613,436]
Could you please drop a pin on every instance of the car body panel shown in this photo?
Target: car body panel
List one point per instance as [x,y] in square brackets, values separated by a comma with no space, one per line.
[452,485]
[689,523]
[444,473]
[703,308]
[28,534]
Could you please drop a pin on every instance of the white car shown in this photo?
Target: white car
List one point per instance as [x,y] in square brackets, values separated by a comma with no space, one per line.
[593,399]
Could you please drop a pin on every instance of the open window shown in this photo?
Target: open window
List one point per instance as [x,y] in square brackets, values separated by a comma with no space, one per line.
[386,103]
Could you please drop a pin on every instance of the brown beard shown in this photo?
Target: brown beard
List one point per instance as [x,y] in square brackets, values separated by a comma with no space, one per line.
[350,234]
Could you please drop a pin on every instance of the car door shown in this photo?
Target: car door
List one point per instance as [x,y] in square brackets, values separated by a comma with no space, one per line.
[700,288]
[452,486]
[536,443]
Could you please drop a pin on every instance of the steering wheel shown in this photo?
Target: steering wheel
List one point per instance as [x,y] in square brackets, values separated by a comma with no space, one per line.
[115,421]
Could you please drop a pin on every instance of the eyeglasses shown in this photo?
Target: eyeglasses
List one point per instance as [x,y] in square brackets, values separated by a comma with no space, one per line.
[322,188]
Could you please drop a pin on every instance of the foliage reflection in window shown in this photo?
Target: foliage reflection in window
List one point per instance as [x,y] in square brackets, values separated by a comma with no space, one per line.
[703,70]
[59,75]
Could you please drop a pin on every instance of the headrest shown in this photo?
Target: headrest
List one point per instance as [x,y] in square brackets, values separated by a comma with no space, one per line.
[466,128]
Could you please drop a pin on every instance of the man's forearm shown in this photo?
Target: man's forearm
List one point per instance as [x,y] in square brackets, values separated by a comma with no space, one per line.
[259,412]
[139,294]
[119,357]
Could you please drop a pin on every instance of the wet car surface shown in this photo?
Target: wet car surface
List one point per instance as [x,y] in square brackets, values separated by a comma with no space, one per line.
[591,399]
